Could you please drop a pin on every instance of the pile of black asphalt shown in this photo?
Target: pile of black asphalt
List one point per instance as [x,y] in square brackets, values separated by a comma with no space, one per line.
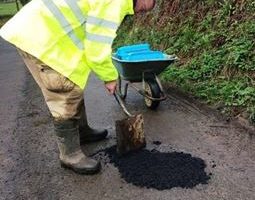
[155,169]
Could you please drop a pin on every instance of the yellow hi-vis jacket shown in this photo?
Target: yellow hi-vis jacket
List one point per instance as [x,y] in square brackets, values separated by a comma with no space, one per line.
[73,37]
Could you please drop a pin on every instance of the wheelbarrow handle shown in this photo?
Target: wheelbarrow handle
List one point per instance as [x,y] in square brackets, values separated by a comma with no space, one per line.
[122,104]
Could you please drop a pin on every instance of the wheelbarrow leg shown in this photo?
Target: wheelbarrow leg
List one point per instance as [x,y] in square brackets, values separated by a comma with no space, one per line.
[122,95]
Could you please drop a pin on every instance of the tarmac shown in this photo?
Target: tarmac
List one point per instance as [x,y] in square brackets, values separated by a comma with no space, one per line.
[30,168]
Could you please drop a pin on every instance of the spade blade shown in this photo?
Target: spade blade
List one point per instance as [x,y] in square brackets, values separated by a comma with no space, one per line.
[130,134]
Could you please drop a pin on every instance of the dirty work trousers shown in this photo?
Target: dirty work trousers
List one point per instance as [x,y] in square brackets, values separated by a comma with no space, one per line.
[63,98]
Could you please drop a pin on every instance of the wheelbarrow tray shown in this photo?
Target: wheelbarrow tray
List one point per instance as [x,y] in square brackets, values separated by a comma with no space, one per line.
[134,71]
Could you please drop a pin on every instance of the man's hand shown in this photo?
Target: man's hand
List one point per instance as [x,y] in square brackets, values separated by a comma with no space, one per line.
[144,5]
[111,86]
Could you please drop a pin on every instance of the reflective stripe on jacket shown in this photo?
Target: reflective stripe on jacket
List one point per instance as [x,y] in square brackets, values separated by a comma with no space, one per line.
[71,36]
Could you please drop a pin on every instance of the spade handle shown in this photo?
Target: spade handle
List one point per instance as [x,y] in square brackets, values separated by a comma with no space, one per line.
[122,104]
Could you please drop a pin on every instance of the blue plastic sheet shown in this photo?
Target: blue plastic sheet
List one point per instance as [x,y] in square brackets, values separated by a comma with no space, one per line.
[138,52]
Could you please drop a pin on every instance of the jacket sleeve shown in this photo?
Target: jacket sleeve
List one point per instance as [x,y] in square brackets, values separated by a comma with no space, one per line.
[98,52]
[103,20]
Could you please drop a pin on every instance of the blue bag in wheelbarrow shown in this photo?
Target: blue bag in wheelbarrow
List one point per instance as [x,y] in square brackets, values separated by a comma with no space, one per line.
[123,51]
[138,52]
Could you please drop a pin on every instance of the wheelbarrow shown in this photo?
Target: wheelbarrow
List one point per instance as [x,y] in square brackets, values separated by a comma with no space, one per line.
[145,72]
[130,131]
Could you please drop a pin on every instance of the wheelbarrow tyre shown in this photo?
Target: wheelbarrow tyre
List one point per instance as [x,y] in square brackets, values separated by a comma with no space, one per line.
[152,88]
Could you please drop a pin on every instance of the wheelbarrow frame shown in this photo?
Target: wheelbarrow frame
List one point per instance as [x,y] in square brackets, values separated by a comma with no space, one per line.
[142,71]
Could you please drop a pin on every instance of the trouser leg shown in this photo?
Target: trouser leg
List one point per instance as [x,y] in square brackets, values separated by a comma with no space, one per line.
[63,98]
[65,102]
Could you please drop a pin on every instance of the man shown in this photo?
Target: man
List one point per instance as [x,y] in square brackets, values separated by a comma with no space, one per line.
[60,43]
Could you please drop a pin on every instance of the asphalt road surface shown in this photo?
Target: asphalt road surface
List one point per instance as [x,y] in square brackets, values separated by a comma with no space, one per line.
[29,167]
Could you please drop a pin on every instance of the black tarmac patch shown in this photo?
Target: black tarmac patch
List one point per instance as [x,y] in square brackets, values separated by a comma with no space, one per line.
[154,169]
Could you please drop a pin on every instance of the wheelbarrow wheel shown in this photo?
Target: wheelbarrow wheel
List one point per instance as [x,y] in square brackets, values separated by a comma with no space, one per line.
[153,90]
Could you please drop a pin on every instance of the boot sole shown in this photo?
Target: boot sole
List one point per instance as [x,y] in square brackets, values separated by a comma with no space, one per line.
[81,171]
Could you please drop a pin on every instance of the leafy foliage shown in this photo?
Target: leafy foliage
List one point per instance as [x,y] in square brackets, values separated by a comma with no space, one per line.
[24,2]
[8,8]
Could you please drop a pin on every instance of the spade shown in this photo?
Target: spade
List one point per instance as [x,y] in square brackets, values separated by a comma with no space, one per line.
[129,131]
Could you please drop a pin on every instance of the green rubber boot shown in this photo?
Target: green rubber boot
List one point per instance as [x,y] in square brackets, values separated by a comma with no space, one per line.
[88,134]
[71,155]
